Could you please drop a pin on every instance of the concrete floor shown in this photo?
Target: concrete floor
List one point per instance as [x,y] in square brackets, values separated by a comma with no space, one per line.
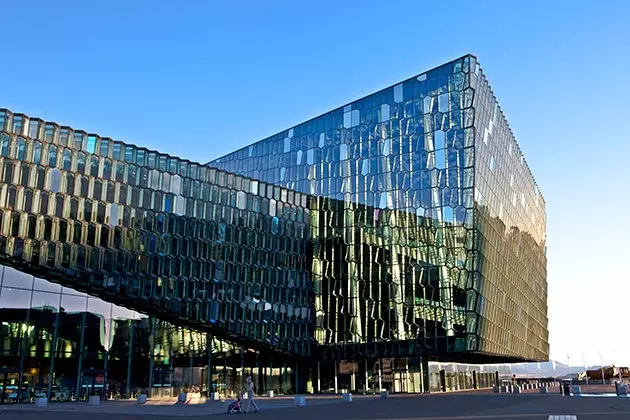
[481,406]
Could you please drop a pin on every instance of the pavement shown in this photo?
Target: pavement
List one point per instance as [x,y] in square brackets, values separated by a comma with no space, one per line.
[451,406]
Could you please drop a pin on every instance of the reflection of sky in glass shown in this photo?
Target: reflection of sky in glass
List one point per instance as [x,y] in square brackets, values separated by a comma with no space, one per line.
[23,291]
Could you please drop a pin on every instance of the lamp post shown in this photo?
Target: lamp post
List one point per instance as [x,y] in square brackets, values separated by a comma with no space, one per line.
[602,368]
[585,368]
[618,366]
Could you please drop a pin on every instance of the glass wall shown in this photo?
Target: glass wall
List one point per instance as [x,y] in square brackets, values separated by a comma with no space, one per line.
[510,234]
[69,345]
[448,377]
[391,181]
[63,343]
[425,218]
[166,235]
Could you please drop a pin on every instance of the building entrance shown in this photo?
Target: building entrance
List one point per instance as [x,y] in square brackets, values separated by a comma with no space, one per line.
[92,383]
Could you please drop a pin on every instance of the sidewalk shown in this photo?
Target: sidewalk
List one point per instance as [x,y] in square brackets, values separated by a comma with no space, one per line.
[170,406]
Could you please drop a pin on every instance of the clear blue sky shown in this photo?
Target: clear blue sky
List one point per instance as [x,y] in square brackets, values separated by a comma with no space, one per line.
[201,78]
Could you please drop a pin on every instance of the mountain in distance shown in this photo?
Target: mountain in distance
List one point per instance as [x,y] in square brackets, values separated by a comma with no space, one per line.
[548,369]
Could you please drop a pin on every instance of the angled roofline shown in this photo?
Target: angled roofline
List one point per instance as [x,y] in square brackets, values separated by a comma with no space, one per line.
[341,107]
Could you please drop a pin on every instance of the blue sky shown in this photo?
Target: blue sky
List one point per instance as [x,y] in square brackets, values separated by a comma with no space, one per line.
[201,78]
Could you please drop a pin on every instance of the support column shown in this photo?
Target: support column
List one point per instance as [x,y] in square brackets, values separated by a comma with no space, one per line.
[190,366]
[335,369]
[365,382]
[53,355]
[129,359]
[353,380]
[151,351]
[209,389]
[425,374]
[380,375]
[276,391]
[407,375]
[105,363]
[259,378]
[284,376]
[243,373]
[319,379]
[80,357]
[296,388]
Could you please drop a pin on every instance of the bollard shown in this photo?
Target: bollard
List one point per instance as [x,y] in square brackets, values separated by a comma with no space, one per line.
[41,402]
[142,398]
[94,400]
[621,389]
[496,389]
[346,396]
[544,390]
[576,390]
[270,394]
[384,395]
[516,389]
[300,401]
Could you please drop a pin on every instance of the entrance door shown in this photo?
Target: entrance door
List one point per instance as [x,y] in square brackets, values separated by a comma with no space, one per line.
[92,383]
[401,381]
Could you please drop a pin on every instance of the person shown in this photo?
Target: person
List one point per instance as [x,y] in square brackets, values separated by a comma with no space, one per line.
[249,389]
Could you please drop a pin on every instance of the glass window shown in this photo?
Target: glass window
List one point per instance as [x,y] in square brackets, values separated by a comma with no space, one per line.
[37,152]
[12,298]
[173,165]
[64,135]
[45,301]
[52,156]
[34,129]
[162,163]
[91,144]
[120,172]
[130,154]
[73,302]
[104,147]
[141,157]
[78,141]
[81,162]
[55,180]
[94,166]
[117,151]
[151,160]
[21,148]
[4,144]
[70,181]
[14,278]
[131,174]
[107,169]
[67,159]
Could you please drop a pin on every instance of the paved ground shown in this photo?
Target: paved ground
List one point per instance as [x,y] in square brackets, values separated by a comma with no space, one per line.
[417,407]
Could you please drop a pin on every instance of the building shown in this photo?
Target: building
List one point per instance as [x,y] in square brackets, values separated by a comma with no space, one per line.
[396,242]
[608,373]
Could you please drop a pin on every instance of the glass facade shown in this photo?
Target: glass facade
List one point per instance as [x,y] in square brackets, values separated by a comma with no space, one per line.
[69,345]
[103,226]
[409,256]
[510,236]
[354,251]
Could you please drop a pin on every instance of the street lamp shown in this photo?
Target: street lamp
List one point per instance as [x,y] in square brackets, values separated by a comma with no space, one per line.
[602,368]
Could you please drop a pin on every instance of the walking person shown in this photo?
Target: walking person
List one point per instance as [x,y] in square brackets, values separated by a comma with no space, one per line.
[249,388]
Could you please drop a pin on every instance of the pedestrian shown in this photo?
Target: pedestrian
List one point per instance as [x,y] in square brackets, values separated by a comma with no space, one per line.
[249,388]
